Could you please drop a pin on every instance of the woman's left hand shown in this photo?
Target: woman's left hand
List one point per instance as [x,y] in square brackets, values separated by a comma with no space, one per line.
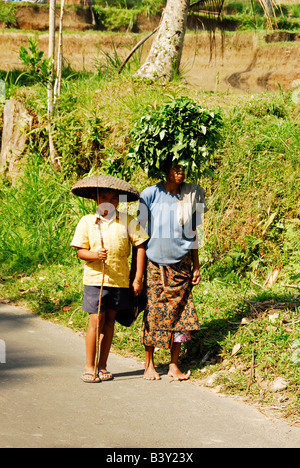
[196,277]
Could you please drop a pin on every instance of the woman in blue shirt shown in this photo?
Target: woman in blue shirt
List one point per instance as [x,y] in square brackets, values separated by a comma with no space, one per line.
[170,209]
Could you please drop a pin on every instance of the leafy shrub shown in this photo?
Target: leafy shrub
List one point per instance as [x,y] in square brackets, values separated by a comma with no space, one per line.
[114,19]
[79,141]
[38,69]
[149,7]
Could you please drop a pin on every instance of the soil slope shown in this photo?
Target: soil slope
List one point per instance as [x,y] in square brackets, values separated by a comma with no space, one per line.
[243,62]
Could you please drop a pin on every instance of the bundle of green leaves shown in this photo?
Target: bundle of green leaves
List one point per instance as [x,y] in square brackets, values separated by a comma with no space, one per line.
[180,132]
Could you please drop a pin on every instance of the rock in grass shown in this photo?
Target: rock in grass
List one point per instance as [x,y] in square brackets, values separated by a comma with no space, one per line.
[211,380]
[278,385]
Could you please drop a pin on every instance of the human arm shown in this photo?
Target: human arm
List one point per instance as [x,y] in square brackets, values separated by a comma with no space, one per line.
[81,241]
[90,256]
[137,284]
[139,237]
[196,277]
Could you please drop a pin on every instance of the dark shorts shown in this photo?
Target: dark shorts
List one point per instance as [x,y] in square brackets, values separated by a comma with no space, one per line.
[112,298]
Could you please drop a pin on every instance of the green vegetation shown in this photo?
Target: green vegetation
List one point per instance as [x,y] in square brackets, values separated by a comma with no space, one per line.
[148,7]
[115,15]
[180,128]
[38,69]
[251,228]
[8,13]
[240,16]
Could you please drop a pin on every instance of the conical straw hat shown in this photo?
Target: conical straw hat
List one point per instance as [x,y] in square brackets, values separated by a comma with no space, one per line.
[86,187]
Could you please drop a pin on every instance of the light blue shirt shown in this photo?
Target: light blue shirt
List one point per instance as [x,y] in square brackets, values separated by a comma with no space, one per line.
[169,241]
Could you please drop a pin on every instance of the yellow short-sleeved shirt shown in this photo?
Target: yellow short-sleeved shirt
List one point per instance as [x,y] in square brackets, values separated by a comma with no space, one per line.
[117,234]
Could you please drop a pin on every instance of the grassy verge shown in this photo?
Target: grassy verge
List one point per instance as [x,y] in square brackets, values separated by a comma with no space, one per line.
[8,13]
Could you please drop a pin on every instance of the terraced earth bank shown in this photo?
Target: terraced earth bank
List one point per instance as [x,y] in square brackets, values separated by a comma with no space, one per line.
[239,61]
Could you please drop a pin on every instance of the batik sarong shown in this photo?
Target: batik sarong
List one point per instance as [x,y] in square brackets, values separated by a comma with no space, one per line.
[170,307]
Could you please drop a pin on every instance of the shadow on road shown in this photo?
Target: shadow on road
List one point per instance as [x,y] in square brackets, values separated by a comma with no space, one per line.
[129,375]
[20,355]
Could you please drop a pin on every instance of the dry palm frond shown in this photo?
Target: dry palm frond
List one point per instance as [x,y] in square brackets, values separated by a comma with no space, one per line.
[213,9]
[269,9]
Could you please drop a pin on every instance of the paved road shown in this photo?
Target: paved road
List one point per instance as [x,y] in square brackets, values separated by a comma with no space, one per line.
[44,404]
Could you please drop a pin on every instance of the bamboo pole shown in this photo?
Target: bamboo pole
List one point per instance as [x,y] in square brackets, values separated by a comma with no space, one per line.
[51,52]
[57,86]
[50,87]
[100,317]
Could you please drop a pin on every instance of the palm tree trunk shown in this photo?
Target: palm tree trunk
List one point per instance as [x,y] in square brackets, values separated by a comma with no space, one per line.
[166,51]
[57,86]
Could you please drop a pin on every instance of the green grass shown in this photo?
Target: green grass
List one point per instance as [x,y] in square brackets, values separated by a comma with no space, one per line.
[252,224]
[271,342]
[8,13]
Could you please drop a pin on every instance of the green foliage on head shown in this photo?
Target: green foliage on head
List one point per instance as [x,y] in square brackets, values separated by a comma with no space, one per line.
[179,131]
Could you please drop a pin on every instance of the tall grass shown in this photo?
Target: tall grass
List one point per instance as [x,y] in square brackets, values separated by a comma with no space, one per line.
[255,197]
[37,219]
[8,13]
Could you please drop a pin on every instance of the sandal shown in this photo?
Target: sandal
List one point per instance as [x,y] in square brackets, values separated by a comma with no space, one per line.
[85,380]
[104,376]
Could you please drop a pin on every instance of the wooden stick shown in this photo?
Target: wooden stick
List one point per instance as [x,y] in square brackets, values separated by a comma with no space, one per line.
[100,317]
[100,323]
[57,85]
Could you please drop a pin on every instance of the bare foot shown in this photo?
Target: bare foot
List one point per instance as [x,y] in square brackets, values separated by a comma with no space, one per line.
[151,374]
[176,373]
